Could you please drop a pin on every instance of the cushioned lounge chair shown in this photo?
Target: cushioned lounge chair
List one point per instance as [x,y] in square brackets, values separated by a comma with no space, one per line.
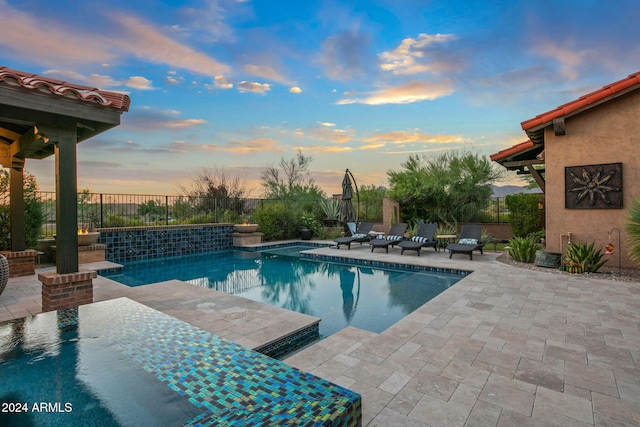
[426,237]
[396,234]
[470,240]
[360,235]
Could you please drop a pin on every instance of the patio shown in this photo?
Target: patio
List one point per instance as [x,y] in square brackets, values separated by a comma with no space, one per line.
[504,346]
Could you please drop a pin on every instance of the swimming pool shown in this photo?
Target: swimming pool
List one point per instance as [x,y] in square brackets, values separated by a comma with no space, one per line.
[340,294]
[121,363]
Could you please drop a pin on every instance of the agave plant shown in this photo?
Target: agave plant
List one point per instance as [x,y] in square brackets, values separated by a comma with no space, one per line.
[330,207]
[633,228]
[523,249]
[584,258]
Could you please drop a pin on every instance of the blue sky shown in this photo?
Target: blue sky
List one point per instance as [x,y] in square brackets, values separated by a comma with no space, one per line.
[239,84]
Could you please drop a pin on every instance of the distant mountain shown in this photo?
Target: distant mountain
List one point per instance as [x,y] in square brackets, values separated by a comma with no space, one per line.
[505,190]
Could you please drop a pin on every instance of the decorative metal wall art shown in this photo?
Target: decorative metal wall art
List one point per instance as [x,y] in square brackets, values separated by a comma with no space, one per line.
[593,186]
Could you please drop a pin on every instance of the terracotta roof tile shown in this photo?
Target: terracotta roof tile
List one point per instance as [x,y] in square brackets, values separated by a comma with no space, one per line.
[583,101]
[512,150]
[115,100]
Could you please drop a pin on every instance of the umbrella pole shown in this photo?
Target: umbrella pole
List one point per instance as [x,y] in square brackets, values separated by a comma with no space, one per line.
[357,194]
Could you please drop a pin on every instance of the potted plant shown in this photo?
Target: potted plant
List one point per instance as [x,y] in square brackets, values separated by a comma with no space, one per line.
[309,226]
[331,209]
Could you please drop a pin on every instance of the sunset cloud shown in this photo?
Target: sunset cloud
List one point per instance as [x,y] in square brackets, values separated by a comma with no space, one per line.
[266,72]
[147,43]
[295,89]
[415,56]
[261,88]
[407,93]
[247,146]
[139,82]
[412,137]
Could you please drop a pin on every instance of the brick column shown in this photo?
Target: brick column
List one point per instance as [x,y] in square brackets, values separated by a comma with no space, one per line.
[21,263]
[66,290]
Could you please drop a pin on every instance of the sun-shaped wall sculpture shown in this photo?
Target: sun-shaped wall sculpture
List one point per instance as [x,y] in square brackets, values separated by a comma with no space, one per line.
[593,186]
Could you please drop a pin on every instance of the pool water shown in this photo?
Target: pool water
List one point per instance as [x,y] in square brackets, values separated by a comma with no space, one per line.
[340,294]
[120,363]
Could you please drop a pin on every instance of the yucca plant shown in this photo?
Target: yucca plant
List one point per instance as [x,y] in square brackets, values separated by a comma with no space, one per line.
[584,258]
[633,228]
[523,249]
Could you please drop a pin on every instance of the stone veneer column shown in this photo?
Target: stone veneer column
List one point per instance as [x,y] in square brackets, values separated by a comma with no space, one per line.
[66,290]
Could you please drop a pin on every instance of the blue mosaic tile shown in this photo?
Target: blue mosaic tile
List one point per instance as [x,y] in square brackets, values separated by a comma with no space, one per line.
[233,385]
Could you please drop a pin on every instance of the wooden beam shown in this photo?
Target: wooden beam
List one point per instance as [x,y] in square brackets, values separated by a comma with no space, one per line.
[30,142]
[559,127]
[16,206]
[8,134]
[522,163]
[66,199]
[537,177]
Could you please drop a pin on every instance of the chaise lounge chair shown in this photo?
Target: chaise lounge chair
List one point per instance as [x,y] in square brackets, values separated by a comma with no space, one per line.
[470,240]
[396,234]
[360,235]
[423,239]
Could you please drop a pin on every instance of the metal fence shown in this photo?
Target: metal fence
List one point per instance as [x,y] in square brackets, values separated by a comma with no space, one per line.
[99,210]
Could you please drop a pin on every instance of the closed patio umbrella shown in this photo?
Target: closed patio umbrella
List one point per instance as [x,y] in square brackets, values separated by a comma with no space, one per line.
[346,206]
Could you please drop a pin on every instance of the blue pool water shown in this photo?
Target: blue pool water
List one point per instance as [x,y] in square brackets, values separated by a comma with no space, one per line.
[340,294]
[120,363]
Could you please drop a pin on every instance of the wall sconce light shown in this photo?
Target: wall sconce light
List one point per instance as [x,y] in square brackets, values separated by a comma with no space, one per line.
[540,205]
[609,249]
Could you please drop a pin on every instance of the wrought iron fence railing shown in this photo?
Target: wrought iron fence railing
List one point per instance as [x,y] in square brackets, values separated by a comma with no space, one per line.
[99,210]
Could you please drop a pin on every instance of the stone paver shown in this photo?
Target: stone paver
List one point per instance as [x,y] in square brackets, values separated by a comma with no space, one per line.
[502,347]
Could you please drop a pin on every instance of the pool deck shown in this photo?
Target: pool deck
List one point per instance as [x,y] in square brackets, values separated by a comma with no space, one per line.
[504,346]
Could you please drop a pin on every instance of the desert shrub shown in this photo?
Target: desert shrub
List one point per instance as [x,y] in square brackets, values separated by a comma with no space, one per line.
[33,214]
[584,258]
[277,220]
[200,219]
[525,216]
[120,221]
[523,249]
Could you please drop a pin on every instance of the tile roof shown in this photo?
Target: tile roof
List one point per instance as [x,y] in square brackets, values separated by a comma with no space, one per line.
[584,101]
[113,100]
[535,127]
[512,150]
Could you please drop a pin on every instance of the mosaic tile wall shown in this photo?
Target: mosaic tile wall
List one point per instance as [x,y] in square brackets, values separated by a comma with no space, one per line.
[233,385]
[140,243]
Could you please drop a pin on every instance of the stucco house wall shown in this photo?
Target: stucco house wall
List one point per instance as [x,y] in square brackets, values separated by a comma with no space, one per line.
[609,133]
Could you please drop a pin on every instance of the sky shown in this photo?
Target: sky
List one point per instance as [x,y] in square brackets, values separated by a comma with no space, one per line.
[237,85]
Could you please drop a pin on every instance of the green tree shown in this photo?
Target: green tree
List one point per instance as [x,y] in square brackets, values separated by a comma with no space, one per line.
[525,217]
[290,180]
[447,187]
[33,214]
[371,202]
[152,209]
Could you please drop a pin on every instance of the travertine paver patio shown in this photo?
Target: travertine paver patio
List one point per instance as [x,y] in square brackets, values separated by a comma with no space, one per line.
[502,347]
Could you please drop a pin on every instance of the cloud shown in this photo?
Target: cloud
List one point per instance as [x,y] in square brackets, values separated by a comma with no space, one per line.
[95,80]
[138,82]
[295,89]
[147,43]
[151,119]
[324,149]
[45,42]
[324,133]
[220,82]
[266,72]
[414,91]
[411,137]
[261,88]
[327,124]
[415,56]
[569,58]
[346,55]
[248,146]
